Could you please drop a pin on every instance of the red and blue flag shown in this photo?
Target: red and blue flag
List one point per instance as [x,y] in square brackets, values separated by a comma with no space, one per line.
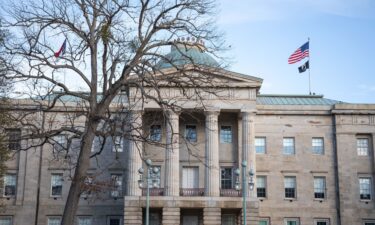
[299,54]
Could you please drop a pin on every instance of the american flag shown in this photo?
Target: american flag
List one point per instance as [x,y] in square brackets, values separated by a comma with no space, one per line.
[299,54]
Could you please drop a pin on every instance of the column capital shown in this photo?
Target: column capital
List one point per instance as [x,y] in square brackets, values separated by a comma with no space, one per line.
[248,111]
[212,111]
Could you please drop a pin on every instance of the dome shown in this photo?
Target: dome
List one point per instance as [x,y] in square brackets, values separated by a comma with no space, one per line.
[184,54]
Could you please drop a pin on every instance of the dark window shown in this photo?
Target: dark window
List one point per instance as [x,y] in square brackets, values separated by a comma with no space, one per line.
[14,139]
[226,134]
[56,184]
[365,188]
[319,187]
[321,223]
[290,187]
[9,185]
[191,133]
[117,185]
[155,133]
[226,178]
[114,221]
[261,187]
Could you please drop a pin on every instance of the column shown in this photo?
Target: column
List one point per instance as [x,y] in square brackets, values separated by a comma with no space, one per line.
[134,155]
[212,176]
[248,149]
[172,159]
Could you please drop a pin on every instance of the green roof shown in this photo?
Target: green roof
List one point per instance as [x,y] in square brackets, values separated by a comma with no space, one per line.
[294,100]
[182,54]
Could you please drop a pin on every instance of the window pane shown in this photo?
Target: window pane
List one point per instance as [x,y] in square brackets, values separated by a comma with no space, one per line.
[191,133]
[97,144]
[10,184]
[14,139]
[260,145]
[290,187]
[118,144]
[365,188]
[116,185]
[5,221]
[56,184]
[84,221]
[226,178]
[288,146]
[263,222]
[54,221]
[261,186]
[226,134]
[155,133]
[114,221]
[318,146]
[362,146]
[319,187]
[228,219]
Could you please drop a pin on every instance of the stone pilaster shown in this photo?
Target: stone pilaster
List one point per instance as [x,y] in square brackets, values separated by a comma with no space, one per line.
[248,149]
[172,159]
[133,216]
[211,216]
[171,216]
[252,213]
[212,178]
[134,161]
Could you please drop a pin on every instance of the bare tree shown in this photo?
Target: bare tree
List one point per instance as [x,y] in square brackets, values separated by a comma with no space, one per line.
[112,48]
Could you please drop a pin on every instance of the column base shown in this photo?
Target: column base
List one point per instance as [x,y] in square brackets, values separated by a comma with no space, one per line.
[171,216]
[211,216]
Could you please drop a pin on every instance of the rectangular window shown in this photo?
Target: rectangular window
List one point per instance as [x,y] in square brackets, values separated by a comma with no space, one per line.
[5,220]
[10,181]
[190,177]
[191,133]
[228,219]
[261,186]
[319,187]
[226,178]
[84,220]
[365,188]
[14,139]
[155,133]
[318,146]
[118,144]
[264,221]
[225,134]
[54,220]
[288,146]
[321,222]
[290,187]
[291,221]
[60,143]
[260,145]
[362,146]
[116,185]
[87,186]
[56,185]
[369,222]
[97,144]
[114,220]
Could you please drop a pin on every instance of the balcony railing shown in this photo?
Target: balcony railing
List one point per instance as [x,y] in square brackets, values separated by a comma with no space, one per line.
[230,193]
[191,191]
[153,191]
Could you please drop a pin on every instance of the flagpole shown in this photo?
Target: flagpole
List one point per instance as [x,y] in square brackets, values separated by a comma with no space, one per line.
[308,39]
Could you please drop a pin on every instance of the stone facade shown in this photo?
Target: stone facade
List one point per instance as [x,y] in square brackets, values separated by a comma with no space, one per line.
[198,143]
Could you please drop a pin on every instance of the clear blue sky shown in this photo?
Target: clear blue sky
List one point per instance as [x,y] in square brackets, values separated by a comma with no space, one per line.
[263,33]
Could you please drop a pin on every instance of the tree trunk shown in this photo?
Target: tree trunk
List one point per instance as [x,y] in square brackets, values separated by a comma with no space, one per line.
[83,164]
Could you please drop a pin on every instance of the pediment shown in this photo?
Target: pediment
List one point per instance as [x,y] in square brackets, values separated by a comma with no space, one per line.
[218,77]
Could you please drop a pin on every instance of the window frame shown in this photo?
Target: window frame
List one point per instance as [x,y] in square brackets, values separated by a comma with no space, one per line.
[360,148]
[322,150]
[14,138]
[291,219]
[114,217]
[156,137]
[324,188]
[188,133]
[232,181]
[84,217]
[223,135]
[295,188]
[117,147]
[232,216]
[51,185]
[367,221]
[370,188]
[266,219]
[286,147]
[265,186]
[7,217]
[53,217]
[117,185]
[316,221]
[13,175]
[264,146]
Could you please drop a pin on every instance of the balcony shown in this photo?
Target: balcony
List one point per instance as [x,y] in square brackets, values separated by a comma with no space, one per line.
[230,193]
[153,191]
[191,191]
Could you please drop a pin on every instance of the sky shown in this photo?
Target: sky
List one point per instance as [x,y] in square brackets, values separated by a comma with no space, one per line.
[262,34]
